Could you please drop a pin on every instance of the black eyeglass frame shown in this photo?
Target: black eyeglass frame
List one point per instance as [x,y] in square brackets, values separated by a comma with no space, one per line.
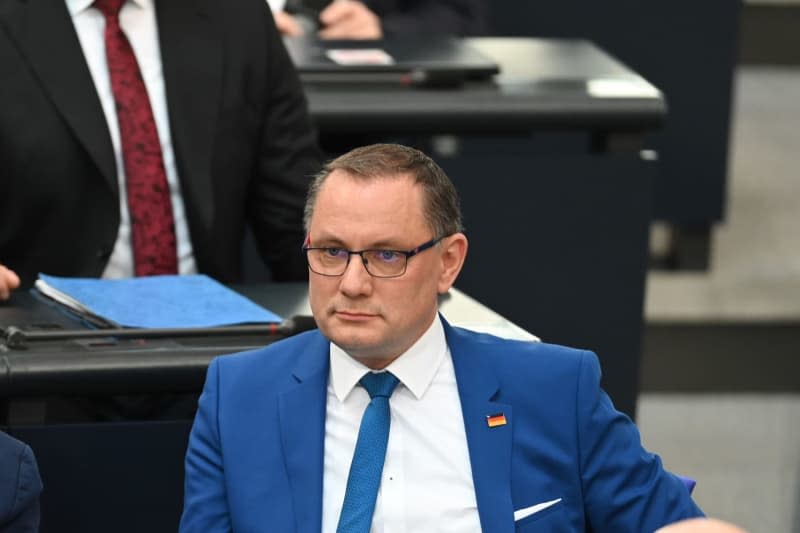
[350,253]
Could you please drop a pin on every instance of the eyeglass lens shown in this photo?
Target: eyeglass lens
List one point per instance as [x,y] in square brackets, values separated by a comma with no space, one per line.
[380,263]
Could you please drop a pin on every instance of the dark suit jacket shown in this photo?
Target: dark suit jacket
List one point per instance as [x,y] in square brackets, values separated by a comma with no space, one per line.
[243,142]
[255,456]
[20,487]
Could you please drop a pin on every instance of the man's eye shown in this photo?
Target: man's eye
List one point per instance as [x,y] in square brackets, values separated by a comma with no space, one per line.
[335,252]
[387,256]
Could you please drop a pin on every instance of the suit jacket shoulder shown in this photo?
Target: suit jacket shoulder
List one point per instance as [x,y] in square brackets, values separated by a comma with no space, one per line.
[258,437]
[565,444]
[520,366]
[280,362]
[20,487]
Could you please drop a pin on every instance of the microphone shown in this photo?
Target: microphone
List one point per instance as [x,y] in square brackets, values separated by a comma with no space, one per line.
[18,338]
[296,324]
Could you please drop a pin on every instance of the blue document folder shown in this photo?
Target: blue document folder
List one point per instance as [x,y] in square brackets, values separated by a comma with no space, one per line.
[194,301]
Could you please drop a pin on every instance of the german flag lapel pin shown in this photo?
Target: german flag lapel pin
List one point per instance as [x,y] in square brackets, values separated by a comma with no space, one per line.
[495,420]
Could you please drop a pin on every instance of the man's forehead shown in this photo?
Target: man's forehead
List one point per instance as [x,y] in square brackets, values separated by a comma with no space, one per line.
[382,232]
[376,212]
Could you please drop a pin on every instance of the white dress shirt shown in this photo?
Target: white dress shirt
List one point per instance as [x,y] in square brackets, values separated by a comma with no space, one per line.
[276,5]
[427,477]
[138,20]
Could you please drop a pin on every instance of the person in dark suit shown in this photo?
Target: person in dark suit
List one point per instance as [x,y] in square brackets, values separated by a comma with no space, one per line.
[20,487]
[237,142]
[375,19]
[461,431]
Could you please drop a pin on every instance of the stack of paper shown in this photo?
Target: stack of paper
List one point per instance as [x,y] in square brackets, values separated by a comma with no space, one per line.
[195,301]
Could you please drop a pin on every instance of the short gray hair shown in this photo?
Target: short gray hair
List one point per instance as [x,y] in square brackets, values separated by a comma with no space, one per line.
[442,207]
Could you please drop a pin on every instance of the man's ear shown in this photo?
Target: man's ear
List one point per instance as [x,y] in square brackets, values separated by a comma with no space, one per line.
[454,251]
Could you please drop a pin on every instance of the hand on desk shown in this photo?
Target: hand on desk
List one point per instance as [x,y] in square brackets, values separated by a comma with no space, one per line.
[8,282]
[349,19]
[287,24]
[342,19]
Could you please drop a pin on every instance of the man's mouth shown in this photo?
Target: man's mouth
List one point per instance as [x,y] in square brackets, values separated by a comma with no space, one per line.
[355,316]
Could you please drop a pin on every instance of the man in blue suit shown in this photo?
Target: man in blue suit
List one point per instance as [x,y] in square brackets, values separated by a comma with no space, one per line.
[478,434]
[20,487]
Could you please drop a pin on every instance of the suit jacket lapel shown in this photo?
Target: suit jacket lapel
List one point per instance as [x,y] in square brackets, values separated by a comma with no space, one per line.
[191,56]
[45,35]
[302,425]
[489,447]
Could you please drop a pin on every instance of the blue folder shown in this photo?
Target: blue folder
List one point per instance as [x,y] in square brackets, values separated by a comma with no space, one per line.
[193,301]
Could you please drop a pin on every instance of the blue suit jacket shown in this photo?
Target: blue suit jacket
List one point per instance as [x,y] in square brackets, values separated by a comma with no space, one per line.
[20,487]
[255,456]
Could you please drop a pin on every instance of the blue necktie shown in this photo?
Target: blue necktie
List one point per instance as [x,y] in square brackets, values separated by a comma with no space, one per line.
[367,466]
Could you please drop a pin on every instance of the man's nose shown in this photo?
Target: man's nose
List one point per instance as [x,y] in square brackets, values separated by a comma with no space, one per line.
[356,279]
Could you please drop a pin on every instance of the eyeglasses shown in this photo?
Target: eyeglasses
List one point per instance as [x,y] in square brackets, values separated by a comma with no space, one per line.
[332,261]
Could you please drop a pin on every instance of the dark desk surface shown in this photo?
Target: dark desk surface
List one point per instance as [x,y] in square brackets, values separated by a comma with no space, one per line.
[117,366]
[543,83]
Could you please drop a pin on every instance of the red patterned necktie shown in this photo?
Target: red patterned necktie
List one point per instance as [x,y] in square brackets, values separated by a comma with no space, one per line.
[152,224]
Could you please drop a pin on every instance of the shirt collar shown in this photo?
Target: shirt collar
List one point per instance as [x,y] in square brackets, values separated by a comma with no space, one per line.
[415,368]
[79,6]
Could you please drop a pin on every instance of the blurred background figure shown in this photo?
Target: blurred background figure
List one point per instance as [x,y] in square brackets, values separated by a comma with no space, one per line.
[150,142]
[375,19]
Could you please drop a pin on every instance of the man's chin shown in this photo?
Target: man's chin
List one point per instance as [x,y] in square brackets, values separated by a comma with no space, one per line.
[356,340]
[353,341]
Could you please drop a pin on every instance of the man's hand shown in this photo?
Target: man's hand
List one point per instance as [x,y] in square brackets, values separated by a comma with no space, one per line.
[287,24]
[349,19]
[8,282]
[701,525]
